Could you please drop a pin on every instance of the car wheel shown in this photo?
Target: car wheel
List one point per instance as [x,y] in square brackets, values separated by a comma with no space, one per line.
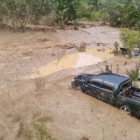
[78,88]
[87,92]
[125,109]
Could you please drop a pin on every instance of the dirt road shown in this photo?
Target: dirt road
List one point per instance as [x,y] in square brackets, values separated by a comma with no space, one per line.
[74,114]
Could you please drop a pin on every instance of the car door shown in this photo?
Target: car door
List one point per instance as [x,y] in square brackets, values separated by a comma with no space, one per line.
[93,86]
[107,91]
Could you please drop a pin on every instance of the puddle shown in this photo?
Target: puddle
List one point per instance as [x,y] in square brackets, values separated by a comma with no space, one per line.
[90,57]
[86,60]
[103,55]
[65,63]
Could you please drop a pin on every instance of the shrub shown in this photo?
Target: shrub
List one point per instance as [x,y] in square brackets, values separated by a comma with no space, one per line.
[125,15]
[82,47]
[130,39]
[133,74]
[115,51]
[116,45]
[95,16]
[17,12]
[76,22]
[104,14]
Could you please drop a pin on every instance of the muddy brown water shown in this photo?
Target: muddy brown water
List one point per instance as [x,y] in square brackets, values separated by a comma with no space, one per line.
[77,60]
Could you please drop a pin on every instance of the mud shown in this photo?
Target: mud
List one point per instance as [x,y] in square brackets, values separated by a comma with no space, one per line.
[36,72]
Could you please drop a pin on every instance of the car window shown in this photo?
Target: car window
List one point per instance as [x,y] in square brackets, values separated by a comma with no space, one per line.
[95,82]
[125,86]
[108,86]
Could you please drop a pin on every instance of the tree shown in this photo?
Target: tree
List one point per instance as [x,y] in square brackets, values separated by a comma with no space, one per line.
[92,5]
[40,8]
[3,11]
[116,15]
[19,11]
[67,10]
[104,14]
[130,39]
[125,16]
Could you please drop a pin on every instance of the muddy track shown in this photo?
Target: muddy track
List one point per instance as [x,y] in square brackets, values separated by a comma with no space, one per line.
[74,114]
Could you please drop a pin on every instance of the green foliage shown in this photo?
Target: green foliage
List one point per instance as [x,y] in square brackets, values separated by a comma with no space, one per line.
[129,38]
[133,74]
[125,16]
[116,15]
[116,45]
[76,22]
[67,10]
[93,3]
[104,14]
[40,9]
[3,11]
[92,6]
[19,11]
[115,51]
[95,16]
[120,13]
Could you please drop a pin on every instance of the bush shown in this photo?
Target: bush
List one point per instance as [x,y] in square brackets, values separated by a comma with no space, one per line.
[130,39]
[116,50]
[133,74]
[104,14]
[76,22]
[125,16]
[17,13]
[82,47]
[67,11]
[95,16]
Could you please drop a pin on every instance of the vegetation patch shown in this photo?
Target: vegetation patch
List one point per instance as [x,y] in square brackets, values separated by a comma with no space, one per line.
[133,74]
[130,39]
[18,14]
[36,130]
[82,47]
[116,50]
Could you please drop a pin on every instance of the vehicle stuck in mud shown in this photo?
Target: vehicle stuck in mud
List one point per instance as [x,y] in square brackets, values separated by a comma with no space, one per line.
[111,88]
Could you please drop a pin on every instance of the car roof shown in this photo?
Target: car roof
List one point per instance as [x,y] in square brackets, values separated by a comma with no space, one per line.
[115,78]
